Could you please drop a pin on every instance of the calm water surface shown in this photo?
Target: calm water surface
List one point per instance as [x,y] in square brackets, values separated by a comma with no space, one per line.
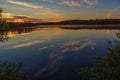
[54,53]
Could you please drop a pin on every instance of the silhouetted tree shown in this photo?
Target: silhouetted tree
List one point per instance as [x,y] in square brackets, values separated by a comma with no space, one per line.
[8,70]
[1,14]
[3,28]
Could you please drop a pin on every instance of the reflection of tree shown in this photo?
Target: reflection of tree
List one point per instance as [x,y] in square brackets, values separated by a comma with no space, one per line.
[4,33]
[3,36]
[21,30]
[106,67]
[3,28]
[8,70]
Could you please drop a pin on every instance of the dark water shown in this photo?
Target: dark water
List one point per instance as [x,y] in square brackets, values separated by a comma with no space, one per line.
[54,53]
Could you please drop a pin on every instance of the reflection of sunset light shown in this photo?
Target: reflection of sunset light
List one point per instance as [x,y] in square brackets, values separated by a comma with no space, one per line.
[28,44]
[25,33]
[19,20]
[108,31]
[10,34]
[15,33]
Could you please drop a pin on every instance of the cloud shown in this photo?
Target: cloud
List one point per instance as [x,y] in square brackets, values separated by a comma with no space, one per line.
[51,1]
[70,3]
[43,48]
[53,14]
[28,44]
[7,15]
[109,15]
[113,14]
[75,3]
[24,4]
[90,2]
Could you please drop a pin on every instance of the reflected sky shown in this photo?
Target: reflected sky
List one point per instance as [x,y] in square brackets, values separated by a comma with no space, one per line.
[54,53]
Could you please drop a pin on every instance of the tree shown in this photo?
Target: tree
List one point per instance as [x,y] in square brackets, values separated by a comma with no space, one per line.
[3,28]
[106,67]
[1,14]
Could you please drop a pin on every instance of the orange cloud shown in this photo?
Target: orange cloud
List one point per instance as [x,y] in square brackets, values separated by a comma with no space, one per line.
[53,14]
[113,14]
[7,15]
[24,4]
[109,15]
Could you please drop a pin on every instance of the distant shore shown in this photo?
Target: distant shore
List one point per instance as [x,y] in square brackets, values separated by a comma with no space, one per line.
[75,26]
[111,26]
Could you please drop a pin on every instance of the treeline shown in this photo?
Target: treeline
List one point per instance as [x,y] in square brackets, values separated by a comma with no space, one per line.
[19,24]
[85,22]
[69,22]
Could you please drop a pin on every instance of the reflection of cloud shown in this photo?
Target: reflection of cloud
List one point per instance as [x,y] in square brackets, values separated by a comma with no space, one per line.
[51,67]
[43,48]
[109,32]
[51,34]
[75,45]
[28,44]
[56,57]
[24,4]
[71,43]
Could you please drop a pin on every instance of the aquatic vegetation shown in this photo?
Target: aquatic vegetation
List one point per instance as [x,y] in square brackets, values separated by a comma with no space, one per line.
[11,71]
[106,67]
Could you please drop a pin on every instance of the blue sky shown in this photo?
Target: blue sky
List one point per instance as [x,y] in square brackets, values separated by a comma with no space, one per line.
[62,9]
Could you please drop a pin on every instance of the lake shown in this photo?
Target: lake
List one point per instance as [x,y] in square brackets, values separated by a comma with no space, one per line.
[54,53]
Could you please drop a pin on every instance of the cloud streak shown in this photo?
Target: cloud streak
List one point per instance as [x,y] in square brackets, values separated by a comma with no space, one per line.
[70,3]
[90,2]
[76,45]
[75,3]
[28,44]
[30,5]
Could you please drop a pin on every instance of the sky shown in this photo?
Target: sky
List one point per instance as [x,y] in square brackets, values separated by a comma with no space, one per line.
[62,9]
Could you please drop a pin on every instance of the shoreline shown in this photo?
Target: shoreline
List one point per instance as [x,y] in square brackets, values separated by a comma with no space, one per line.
[110,26]
[90,26]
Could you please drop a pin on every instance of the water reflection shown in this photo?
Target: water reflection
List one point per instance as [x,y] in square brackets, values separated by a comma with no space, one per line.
[3,36]
[76,45]
[28,44]
[7,33]
[20,31]
[54,53]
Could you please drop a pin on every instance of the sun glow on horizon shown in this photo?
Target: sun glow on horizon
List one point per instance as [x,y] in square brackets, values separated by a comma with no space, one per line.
[56,10]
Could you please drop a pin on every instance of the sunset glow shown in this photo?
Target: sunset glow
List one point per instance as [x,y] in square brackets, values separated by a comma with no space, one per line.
[57,10]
